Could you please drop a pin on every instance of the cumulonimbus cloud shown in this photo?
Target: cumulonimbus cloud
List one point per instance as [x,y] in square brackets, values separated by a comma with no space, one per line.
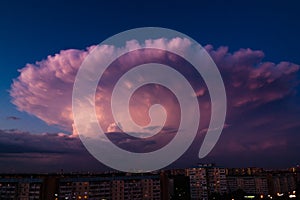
[249,80]
[44,89]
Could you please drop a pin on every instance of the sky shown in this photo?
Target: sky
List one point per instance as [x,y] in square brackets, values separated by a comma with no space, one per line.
[254,44]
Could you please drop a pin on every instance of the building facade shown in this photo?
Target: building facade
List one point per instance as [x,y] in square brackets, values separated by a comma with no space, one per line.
[114,188]
[206,180]
[21,188]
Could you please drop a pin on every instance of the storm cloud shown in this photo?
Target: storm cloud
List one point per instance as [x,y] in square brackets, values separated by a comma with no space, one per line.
[261,100]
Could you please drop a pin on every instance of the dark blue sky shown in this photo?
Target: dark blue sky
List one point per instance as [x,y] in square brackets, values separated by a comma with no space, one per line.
[32,30]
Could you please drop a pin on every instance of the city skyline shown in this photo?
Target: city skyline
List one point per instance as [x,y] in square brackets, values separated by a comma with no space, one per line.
[255,46]
[202,181]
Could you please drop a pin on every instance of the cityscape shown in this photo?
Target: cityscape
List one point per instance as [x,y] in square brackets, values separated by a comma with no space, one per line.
[201,182]
[149,100]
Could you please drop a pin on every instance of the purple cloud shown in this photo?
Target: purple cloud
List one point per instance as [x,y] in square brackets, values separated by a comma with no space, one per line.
[25,152]
[257,92]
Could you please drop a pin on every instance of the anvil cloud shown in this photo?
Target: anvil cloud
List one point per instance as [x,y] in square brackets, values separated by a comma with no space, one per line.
[259,93]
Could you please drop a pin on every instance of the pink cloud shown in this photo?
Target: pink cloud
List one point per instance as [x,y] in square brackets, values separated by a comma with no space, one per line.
[44,89]
[251,82]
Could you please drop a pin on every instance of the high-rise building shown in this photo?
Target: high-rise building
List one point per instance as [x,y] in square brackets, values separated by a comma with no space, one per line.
[127,187]
[201,182]
[206,180]
[249,184]
[281,182]
[21,188]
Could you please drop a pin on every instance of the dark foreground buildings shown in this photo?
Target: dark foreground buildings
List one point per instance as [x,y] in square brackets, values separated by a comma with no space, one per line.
[204,182]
